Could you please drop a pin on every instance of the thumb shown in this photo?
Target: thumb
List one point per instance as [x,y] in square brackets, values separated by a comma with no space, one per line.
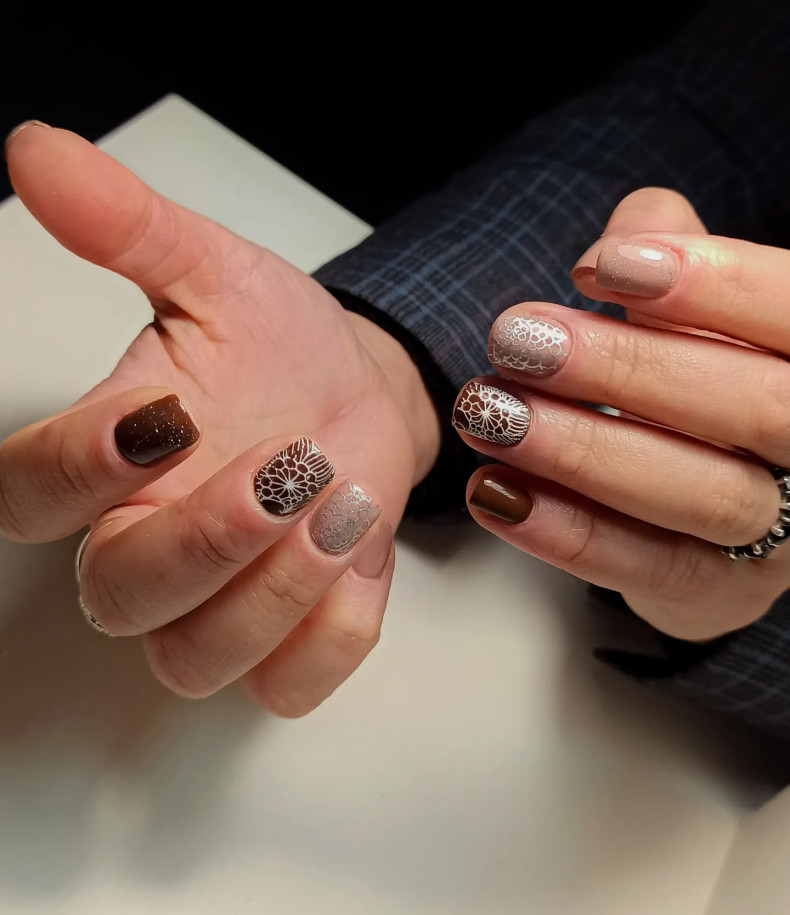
[650,209]
[102,212]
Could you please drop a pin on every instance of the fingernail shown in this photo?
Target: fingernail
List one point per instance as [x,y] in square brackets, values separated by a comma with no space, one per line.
[491,414]
[645,270]
[20,127]
[585,265]
[343,518]
[372,561]
[293,477]
[155,431]
[501,501]
[532,345]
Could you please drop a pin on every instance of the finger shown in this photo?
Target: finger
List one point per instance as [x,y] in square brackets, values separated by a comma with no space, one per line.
[332,640]
[722,285]
[679,380]
[138,576]
[102,212]
[650,209]
[242,624]
[655,474]
[683,586]
[59,474]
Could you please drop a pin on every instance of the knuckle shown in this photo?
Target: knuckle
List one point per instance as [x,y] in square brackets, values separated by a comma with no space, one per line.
[576,446]
[352,638]
[177,664]
[733,513]
[207,539]
[621,351]
[682,573]
[291,594]
[574,548]
[770,432]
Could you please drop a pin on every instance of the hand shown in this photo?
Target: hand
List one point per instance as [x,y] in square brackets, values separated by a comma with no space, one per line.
[256,355]
[639,503]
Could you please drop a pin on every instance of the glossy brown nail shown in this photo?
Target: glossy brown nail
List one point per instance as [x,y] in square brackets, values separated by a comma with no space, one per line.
[501,500]
[647,270]
[489,413]
[293,477]
[155,431]
[532,345]
[343,518]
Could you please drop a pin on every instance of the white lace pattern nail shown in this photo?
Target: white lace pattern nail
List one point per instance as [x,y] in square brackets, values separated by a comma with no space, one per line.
[491,414]
[293,477]
[531,345]
[343,518]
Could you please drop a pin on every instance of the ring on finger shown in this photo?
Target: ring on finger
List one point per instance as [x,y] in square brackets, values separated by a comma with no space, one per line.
[779,530]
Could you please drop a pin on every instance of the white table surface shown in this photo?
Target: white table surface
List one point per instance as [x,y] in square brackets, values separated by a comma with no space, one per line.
[479,761]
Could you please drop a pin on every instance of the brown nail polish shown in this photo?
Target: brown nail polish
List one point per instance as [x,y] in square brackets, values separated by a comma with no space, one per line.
[532,345]
[343,518]
[155,431]
[646,270]
[372,561]
[491,414]
[501,501]
[293,477]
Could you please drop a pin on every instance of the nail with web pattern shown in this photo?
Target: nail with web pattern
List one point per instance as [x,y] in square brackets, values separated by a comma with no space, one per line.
[491,414]
[293,477]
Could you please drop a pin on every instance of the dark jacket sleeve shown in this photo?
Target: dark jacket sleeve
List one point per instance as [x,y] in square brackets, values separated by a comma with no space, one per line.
[706,115]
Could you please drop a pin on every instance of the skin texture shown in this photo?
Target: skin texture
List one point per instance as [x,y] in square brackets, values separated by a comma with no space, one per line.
[641,502]
[245,341]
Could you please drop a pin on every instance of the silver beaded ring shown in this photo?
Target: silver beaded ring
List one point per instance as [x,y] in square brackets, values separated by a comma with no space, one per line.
[779,530]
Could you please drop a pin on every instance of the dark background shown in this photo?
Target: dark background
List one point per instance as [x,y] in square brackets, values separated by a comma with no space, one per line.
[372,105]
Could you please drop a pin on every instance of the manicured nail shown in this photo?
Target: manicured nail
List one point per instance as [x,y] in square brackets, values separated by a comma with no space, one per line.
[646,270]
[501,501]
[491,414]
[293,477]
[532,345]
[155,431]
[20,127]
[372,561]
[343,518]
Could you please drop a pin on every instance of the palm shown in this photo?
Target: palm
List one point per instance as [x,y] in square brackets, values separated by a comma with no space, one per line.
[256,348]
[277,357]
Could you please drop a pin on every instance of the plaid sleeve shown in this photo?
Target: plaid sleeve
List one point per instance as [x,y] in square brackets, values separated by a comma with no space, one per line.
[705,115]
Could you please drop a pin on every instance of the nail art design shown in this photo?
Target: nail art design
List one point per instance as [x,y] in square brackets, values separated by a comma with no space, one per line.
[531,345]
[293,477]
[155,431]
[343,519]
[491,414]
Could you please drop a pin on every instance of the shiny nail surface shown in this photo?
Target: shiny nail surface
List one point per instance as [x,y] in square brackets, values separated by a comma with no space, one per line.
[372,560]
[532,345]
[343,518]
[293,477]
[501,501]
[491,414]
[646,270]
[155,431]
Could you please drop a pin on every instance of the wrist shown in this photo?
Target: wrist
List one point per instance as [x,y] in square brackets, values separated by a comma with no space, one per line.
[408,390]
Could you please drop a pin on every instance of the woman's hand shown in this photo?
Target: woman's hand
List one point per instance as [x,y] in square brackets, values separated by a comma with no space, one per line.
[234,551]
[642,502]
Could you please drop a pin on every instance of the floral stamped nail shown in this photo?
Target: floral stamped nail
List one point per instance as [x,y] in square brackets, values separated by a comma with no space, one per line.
[343,518]
[293,477]
[532,345]
[491,414]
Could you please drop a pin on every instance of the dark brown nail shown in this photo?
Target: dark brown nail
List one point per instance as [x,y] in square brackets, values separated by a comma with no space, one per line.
[293,477]
[155,431]
[501,501]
